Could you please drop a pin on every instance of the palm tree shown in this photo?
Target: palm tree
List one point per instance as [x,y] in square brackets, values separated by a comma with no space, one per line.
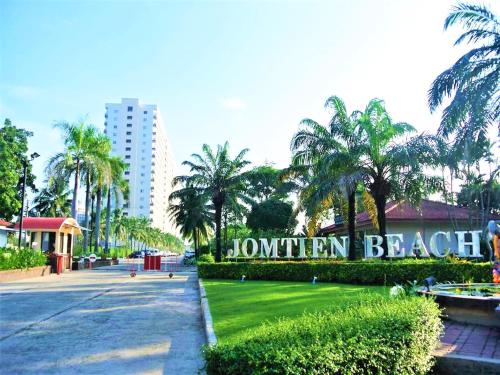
[78,139]
[117,186]
[391,166]
[190,211]
[119,226]
[215,175]
[53,200]
[473,81]
[333,155]
[95,169]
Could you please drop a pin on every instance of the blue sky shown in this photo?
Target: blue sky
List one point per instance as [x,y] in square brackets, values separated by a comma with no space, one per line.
[242,71]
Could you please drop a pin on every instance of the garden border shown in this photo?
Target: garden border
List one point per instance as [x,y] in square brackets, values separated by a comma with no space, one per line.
[24,273]
[206,315]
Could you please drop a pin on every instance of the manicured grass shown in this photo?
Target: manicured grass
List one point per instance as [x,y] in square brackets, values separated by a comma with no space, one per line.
[238,307]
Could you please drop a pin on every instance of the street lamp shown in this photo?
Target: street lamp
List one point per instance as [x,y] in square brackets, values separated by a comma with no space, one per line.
[33,156]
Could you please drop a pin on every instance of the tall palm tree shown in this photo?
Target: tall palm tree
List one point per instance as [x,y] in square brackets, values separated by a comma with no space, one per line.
[78,141]
[53,200]
[392,166]
[216,174]
[333,155]
[118,187]
[119,226]
[190,211]
[473,81]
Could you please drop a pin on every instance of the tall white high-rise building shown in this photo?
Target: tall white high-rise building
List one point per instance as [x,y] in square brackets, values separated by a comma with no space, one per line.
[138,136]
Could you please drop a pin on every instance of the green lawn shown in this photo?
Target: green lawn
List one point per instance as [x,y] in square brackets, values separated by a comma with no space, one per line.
[237,307]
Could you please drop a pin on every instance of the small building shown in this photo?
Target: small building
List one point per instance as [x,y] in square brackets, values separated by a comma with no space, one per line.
[428,218]
[53,235]
[5,227]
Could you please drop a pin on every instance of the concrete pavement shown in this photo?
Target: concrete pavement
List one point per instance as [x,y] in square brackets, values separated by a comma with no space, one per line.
[101,322]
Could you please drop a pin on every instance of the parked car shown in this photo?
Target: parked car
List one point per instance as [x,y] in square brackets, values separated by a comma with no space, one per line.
[137,254]
[189,254]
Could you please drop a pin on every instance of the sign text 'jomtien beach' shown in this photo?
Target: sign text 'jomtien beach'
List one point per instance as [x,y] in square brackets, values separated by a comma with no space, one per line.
[336,247]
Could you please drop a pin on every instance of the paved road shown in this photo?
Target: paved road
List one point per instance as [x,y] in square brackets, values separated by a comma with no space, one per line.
[101,322]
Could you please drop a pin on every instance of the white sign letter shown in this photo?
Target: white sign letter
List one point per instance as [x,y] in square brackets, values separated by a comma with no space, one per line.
[336,248]
[433,244]
[236,249]
[255,247]
[474,244]
[318,243]
[418,245]
[268,249]
[302,247]
[288,242]
[370,245]
[393,242]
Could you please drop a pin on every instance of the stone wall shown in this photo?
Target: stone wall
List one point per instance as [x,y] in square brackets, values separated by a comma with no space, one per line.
[19,274]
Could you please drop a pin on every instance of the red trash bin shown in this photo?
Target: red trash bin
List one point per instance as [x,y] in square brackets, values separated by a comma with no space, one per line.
[60,262]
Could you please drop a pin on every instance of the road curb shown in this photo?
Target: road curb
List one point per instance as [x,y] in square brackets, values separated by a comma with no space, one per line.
[206,316]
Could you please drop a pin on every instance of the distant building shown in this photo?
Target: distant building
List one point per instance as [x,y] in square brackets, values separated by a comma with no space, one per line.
[138,136]
[428,218]
[5,227]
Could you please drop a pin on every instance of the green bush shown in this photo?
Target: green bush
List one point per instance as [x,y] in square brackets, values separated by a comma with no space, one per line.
[206,258]
[20,259]
[359,272]
[378,336]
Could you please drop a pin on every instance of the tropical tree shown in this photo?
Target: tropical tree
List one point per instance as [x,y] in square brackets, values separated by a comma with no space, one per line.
[265,181]
[392,166]
[192,214]
[78,140]
[332,154]
[53,200]
[13,151]
[215,175]
[118,187]
[473,82]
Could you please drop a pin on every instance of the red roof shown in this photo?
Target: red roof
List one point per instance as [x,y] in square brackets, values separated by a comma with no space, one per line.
[399,211]
[4,223]
[53,223]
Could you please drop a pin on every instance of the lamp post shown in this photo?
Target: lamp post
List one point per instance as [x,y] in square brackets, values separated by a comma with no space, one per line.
[21,213]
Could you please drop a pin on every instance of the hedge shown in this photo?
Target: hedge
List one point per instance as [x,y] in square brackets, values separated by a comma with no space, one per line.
[358,272]
[20,259]
[377,336]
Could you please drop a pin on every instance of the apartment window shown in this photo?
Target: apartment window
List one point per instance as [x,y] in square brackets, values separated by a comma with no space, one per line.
[115,111]
[141,207]
[127,165]
[142,174]
[106,115]
[129,117]
[128,148]
[114,142]
[129,133]
[127,173]
[145,112]
[154,149]
[130,109]
[154,124]
[114,127]
[154,133]
[105,123]
[150,211]
[145,119]
[125,213]
[127,156]
[114,134]
[129,125]
[128,141]
[105,131]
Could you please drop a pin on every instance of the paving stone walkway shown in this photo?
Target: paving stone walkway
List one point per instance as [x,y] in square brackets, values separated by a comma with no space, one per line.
[101,322]
[470,341]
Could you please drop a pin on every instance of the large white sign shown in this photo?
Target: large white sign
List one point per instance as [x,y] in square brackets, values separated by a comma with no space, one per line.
[337,247]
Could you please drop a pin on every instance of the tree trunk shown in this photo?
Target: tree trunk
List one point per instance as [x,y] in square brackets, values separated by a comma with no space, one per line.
[380,202]
[225,231]
[195,239]
[74,212]
[218,222]
[87,207]
[352,226]
[98,218]
[108,221]
[91,227]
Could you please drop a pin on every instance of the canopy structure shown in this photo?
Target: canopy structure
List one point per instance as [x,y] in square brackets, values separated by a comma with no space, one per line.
[52,234]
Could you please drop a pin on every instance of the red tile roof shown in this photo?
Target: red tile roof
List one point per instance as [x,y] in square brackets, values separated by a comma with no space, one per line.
[4,223]
[53,223]
[398,211]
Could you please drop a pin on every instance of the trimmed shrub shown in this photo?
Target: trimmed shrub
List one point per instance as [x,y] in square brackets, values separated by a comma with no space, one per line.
[21,259]
[206,258]
[360,272]
[377,336]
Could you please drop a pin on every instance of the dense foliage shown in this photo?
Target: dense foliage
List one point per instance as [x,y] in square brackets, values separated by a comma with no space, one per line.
[359,272]
[13,150]
[376,336]
[20,259]
[272,214]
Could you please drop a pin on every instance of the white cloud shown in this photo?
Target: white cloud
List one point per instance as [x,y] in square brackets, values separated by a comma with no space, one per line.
[233,103]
